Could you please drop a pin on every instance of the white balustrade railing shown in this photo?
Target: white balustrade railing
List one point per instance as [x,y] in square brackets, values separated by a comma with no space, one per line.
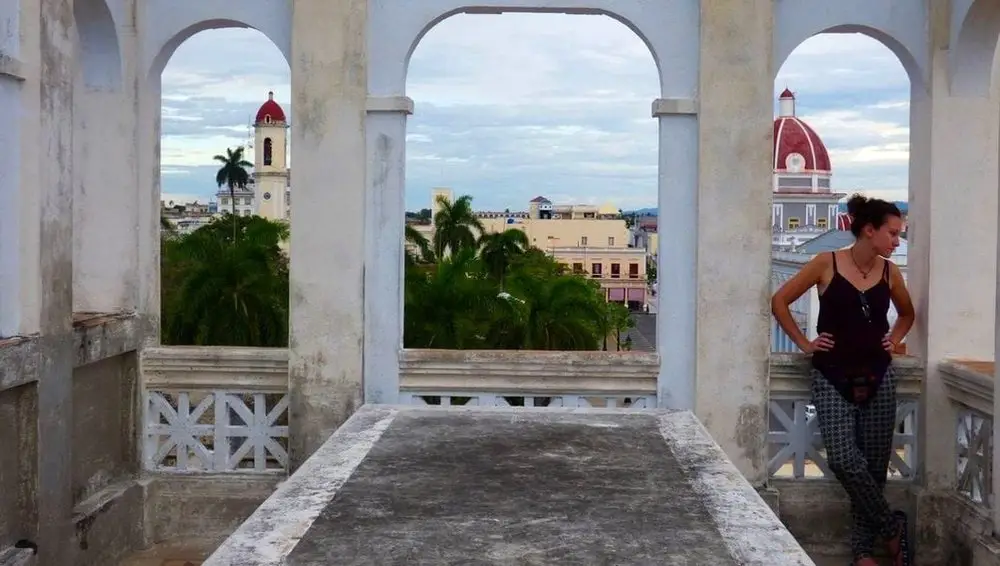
[215,409]
[226,409]
[498,378]
[795,447]
[971,393]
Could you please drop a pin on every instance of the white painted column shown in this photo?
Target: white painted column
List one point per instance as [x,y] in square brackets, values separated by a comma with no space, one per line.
[952,251]
[329,93]
[148,206]
[677,257]
[54,185]
[385,212]
[734,258]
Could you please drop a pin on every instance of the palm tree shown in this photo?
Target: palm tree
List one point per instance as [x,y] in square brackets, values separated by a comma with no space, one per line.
[619,320]
[498,250]
[455,226]
[223,292]
[560,313]
[233,173]
[448,306]
[417,240]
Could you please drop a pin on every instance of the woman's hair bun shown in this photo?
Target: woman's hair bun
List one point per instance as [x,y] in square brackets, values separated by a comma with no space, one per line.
[856,205]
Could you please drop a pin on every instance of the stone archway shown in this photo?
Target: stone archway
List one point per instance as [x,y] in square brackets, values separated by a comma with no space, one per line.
[100,54]
[671,32]
[901,31]
[975,30]
[104,259]
[272,19]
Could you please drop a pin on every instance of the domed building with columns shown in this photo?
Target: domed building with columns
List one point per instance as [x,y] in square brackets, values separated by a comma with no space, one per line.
[269,192]
[804,204]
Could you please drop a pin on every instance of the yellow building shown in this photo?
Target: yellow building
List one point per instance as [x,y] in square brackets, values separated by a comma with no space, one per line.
[588,239]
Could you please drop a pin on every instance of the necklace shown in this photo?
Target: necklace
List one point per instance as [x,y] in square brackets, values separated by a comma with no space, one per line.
[864,273]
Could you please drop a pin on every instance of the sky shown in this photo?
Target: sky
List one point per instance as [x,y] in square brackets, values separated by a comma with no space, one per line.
[514,106]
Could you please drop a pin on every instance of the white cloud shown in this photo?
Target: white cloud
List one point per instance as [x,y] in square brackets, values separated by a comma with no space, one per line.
[512,106]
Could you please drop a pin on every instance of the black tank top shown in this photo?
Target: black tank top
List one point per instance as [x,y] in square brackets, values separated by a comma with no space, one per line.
[858,321]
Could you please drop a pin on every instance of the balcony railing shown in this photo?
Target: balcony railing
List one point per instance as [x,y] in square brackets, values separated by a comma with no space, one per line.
[970,387]
[498,378]
[215,409]
[225,409]
[794,442]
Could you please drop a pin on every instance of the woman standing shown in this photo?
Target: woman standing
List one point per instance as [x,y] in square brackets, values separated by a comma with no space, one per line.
[853,383]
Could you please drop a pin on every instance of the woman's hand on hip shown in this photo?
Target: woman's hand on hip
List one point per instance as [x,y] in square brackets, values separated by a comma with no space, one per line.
[822,343]
[888,344]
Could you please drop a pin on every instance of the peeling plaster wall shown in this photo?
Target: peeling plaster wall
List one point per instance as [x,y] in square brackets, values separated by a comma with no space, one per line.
[55,189]
[105,402]
[19,237]
[329,97]
[10,194]
[733,292]
[90,445]
[104,246]
[105,253]
[208,507]
[10,169]
[18,464]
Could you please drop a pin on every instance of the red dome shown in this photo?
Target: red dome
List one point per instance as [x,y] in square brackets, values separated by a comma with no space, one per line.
[844,221]
[270,109]
[793,137]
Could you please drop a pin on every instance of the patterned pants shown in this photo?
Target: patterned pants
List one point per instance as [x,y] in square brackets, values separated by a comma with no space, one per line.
[858,441]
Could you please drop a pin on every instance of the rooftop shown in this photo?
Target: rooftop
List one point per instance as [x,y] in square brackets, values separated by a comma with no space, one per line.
[513,485]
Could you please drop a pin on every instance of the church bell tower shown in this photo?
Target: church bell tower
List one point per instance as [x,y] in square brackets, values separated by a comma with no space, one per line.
[270,160]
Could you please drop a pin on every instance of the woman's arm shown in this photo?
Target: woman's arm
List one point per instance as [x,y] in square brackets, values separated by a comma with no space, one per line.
[811,274]
[904,306]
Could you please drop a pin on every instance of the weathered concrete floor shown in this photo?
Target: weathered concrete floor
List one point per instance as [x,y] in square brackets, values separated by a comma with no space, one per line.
[508,489]
[190,552]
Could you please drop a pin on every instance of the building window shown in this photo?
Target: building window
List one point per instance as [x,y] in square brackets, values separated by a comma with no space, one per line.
[224,200]
[633,270]
[247,201]
[577,268]
[821,222]
[616,270]
[595,270]
[611,241]
[267,151]
[583,240]
[793,223]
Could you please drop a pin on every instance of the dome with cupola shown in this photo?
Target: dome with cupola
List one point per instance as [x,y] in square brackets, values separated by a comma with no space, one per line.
[801,161]
[270,112]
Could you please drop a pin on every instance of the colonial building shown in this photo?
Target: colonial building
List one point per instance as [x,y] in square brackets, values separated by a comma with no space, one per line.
[804,204]
[588,239]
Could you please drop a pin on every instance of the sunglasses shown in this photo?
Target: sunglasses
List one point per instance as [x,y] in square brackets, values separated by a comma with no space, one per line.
[865,309]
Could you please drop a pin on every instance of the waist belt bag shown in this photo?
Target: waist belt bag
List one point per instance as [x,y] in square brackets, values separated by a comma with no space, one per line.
[857,384]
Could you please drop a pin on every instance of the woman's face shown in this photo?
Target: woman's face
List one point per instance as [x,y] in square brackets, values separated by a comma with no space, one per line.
[885,239]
